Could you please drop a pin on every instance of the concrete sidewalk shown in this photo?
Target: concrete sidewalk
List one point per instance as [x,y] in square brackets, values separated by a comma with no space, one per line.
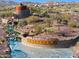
[45,52]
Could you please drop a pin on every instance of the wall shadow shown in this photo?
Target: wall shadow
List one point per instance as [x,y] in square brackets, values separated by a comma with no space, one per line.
[67,43]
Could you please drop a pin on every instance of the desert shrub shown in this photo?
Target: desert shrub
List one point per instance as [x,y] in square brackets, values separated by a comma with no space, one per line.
[47,22]
[50,29]
[72,24]
[32,19]
[38,29]
[6,14]
[22,23]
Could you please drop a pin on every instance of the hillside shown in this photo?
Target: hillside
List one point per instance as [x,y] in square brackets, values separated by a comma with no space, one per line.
[7,2]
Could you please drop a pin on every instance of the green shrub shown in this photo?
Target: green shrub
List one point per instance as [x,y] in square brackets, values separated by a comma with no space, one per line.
[50,29]
[72,24]
[38,29]
[48,22]
[32,19]
[6,14]
[22,23]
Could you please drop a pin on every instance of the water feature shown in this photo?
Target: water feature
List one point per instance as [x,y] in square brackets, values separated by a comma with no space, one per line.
[13,42]
[14,52]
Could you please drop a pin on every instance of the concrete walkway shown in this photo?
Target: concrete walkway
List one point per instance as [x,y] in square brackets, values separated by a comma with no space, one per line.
[45,52]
